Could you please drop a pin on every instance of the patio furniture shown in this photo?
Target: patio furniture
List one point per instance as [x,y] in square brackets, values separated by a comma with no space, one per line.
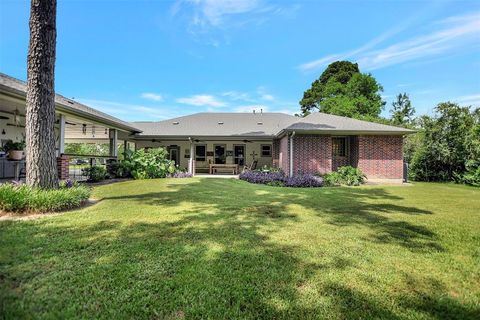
[17,169]
[251,167]
[215,166]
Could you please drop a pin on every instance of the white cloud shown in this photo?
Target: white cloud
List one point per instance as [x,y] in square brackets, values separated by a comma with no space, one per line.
[202,100]
[126,111]
[451,35]
[204,15]
[236,95]
[214,11]
[264,95]
[267,97]
[470,100]
[151,96]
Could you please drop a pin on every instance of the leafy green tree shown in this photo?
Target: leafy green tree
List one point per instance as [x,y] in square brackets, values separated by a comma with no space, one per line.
[344,91]
[402,110]
[97,149]
[337,72]
[443,152]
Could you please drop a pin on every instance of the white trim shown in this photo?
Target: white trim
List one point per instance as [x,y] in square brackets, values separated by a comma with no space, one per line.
[61,143]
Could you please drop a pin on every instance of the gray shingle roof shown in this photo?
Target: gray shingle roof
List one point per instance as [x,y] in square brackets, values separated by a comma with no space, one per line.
[259,125]
[219,124]
[18,87]
[331,123]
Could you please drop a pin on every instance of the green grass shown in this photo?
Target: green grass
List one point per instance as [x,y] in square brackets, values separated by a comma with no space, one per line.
[224,249]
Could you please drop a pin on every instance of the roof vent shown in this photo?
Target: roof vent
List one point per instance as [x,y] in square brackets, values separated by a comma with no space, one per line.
[175,122]
[220,122]
[69,101]
[259,123]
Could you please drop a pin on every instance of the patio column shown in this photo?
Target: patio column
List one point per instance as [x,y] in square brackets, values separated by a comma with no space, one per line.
[191,168]
[113,142]
[61,140]
[62,160]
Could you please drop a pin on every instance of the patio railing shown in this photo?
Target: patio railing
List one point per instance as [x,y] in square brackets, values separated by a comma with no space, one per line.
[78,162]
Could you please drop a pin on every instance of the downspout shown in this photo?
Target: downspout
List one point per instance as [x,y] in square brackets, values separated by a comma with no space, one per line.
[291,153]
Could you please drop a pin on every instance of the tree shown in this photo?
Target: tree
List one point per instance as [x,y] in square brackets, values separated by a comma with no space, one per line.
[402,110]
[343,90]
[40,110]
[445,144]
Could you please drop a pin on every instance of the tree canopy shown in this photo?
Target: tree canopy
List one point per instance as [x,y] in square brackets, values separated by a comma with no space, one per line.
[343,90]
[402,110]
[448,145]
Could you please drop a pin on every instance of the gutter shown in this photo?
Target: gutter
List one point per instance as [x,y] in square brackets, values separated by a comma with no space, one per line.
[291,153]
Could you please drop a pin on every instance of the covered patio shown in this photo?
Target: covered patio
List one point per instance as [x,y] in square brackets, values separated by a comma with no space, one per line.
[75,123]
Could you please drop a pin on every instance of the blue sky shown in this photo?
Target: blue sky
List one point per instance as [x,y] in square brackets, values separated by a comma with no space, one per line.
[151,60]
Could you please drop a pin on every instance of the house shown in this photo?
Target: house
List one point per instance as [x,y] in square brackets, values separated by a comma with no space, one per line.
[318,143]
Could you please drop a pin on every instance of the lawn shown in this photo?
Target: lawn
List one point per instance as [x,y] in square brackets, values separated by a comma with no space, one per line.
[224,249]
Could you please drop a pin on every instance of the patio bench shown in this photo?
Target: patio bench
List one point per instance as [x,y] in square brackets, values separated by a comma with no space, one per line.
[214,168]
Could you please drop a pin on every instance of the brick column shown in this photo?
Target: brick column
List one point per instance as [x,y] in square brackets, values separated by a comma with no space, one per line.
[63,167]
[276,153]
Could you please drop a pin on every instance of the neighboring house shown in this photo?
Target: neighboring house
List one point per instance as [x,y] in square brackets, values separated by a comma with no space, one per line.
[318,143]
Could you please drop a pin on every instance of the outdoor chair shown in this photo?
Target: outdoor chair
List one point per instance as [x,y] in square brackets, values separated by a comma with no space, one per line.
[253,166]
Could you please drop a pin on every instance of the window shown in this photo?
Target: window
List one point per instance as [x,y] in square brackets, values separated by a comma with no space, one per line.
[200,153]
[266,150]
[239,154]
[339,146]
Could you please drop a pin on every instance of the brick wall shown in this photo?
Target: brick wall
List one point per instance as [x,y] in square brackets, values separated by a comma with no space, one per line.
[283,154]
[276,153]
[63,167]
[312,154]
[354,151]
[376,156]
[381,156]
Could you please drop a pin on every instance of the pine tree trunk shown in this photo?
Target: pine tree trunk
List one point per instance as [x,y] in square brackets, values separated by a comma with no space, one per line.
[40,115]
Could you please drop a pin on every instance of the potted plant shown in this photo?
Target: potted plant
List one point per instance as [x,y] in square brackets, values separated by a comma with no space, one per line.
[15,150]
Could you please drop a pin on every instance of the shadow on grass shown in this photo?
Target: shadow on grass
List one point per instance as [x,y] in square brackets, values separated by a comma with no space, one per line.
[211,262]
[340,206]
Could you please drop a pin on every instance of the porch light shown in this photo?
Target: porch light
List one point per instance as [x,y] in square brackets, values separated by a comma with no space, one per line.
[220,122]
[93,131]
[84,129]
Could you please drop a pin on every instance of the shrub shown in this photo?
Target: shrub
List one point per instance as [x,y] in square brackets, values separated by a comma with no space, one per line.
[347,175]
[95,173]
[272,178]
[278,179]
[304,181]
[23,198]
[472,176]
[142,164]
